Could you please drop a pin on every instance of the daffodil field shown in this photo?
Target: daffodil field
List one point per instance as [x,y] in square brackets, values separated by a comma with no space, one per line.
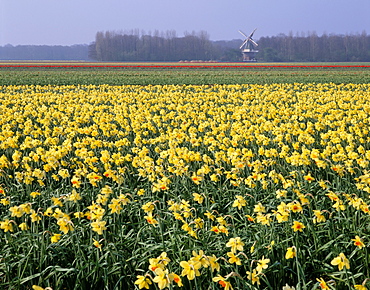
[219,186]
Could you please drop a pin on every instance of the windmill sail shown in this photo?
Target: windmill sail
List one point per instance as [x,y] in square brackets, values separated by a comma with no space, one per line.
[248,47]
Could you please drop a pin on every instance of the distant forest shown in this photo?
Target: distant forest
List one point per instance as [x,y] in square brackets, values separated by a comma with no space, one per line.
[167,46]
[44,52]
[313,48]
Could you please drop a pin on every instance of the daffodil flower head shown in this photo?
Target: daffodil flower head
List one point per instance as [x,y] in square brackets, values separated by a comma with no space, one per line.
[359,287]
[190,269]
[99,226]
[262,264]
[323,284]
[176,278]
[235,244]
[143,282]
[55,238]
[341,261]
[162,278]
[7,225]
[97,244]
[357,241]
[223,282]
[213,263]
[254,277]
[233,258]
[298,226]
[290,253]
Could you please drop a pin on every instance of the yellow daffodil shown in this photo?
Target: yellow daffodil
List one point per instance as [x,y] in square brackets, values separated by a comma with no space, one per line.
[190,269]
[341,261]
[291,252]
[308,177]
[150,219]
[143,282]
[99,226]
[222,282]
[55,238]
[262,264]
[259,208]
[213,263]
[35,216]
[360,287]
[319,217]
[23,226]
[175,278]
[97,244]
[34,194]
[357,241]
[198,198]
[239,202]
[161,278]
[16,211]
[298,226]
[7,225]
[254,277]
[323,284]
[235,244]
[233,258]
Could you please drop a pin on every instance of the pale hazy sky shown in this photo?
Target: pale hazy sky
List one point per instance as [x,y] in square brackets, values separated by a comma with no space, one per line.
[67,22]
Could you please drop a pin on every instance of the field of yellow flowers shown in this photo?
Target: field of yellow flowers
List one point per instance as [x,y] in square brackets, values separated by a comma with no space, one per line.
[185,187]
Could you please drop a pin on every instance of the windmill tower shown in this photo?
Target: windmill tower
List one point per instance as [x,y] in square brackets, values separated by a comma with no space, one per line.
[249,47]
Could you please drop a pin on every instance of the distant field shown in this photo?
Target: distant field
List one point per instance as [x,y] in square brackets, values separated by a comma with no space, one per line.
[161,73]
[181,63]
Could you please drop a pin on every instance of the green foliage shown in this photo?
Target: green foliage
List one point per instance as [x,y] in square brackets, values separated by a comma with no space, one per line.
[181,75]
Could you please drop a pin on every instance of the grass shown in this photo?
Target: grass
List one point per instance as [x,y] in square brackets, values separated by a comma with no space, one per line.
[180,73]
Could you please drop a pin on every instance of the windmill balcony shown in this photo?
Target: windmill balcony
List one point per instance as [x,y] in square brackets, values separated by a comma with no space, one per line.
[249,50]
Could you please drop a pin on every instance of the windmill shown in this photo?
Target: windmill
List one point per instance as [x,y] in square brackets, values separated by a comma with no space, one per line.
[249,47]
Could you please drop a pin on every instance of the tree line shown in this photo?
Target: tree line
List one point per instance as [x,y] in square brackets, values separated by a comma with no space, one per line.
[113,46]
[313,48]
[134,45]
